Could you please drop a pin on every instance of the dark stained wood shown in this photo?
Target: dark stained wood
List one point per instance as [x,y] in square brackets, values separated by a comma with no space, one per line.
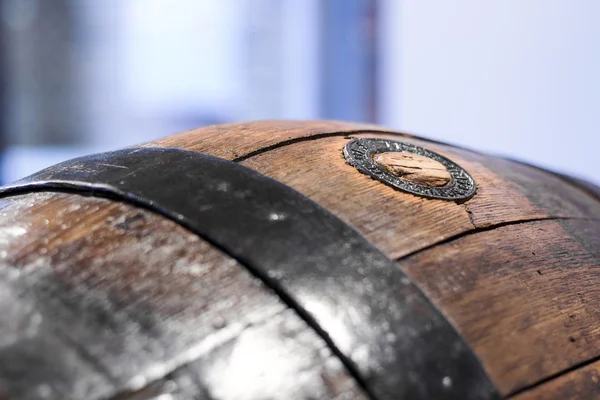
[118,298]
[583,383]
[525,296]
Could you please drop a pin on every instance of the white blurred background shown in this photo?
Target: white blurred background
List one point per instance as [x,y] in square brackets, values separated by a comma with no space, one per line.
[518,78]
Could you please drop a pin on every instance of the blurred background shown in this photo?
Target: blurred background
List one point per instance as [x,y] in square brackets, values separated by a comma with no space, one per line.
[518,78]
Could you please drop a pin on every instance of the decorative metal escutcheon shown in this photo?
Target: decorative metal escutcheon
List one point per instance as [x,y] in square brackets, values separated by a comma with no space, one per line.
[451,181]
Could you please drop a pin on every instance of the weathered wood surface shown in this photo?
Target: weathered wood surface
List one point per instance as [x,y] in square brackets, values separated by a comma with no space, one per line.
[511,191]
[414,168]
[239,140]
[525,296]
[308,157]
[402,224]
[398,223]
[101,299]
[582,383]
[514,269]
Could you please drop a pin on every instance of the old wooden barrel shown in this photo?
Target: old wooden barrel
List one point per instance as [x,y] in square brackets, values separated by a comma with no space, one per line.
[299,260]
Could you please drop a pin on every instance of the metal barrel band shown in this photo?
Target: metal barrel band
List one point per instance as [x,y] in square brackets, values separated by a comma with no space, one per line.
[384,329]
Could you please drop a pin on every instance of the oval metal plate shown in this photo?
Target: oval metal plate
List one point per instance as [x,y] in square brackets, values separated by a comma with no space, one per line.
[359,153]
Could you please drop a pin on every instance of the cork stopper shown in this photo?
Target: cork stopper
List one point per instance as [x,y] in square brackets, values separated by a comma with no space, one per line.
[413,167]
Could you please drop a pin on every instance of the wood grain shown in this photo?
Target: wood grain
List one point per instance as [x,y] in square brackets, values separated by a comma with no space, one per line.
[307,157]
[400,223]
[524,296]
[583,383]
[232,141]
[516,334]
[413,167]
[510,191]
[106,299]
[522,293]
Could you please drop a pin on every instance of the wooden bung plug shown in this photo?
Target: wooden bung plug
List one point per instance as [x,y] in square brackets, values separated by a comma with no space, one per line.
[413,167]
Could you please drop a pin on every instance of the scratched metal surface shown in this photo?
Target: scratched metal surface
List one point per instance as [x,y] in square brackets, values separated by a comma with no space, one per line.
[372,316]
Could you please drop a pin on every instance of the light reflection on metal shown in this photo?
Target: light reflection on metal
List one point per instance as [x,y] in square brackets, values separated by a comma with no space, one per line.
[326,315]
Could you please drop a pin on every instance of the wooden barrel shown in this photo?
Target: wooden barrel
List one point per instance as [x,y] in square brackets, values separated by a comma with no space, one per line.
[299,260]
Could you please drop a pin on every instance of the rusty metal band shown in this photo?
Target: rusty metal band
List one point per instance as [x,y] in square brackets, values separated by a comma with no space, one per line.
[373,317]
